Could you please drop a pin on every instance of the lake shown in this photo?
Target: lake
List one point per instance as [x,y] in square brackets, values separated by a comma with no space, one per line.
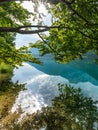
[41,80]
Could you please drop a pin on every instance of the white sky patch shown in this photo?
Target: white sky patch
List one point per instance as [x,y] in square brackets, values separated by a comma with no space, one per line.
[46,17]
[24,40]
[42,9]
[28,5]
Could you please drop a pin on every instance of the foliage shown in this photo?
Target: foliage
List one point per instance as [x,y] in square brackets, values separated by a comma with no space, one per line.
[73,32]
[12,14]
[4,69]
[8,94]
[77,30]
[6,85]
[12,56]
[71,110]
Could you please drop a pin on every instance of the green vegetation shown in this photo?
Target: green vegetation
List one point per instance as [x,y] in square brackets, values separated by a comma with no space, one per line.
[8,94]
[71,110]
[5,71]
[73,32]
[13,14]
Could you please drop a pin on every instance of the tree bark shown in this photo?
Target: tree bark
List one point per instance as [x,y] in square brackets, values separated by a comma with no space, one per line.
[18,30]
[22,29]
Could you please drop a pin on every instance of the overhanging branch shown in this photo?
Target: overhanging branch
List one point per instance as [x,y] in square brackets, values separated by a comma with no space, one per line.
[22,29]
[40,29]
[56,53]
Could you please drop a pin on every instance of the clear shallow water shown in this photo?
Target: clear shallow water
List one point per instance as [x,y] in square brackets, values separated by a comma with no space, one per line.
[76,71]
[42,81]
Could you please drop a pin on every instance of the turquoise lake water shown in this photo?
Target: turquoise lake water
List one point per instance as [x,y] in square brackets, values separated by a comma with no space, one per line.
[41,80]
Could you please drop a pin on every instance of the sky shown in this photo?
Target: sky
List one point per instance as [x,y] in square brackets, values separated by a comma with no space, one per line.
[23,40]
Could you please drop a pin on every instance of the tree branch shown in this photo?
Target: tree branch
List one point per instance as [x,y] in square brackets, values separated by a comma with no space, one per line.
[87,35]
[56,52]
[37,26]
[74,11]
[21,31]
[39,29]
[46,43]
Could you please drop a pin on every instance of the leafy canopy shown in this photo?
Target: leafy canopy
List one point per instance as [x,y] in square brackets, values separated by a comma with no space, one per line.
[73,31]
[77,31]
[12,14]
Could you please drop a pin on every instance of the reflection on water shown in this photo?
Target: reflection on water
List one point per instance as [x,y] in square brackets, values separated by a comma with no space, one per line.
[42,81]
[70,110]
[41,88]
